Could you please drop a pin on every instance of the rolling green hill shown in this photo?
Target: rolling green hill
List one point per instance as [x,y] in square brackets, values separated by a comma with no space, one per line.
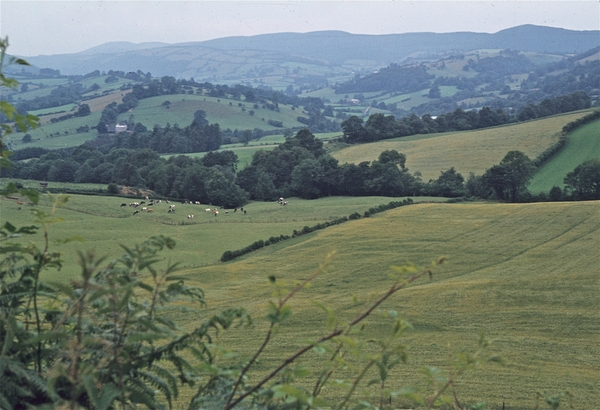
[232,114]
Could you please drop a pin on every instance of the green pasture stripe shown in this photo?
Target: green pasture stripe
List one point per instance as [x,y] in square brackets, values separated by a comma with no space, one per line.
[582,144]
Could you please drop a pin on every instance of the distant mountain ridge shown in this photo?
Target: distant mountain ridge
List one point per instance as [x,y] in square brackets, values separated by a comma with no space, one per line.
[240,58]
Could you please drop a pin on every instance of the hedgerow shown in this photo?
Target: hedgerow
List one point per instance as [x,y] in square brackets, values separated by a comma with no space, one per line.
[230,255]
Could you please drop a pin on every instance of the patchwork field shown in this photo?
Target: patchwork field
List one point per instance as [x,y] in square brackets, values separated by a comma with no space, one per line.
[469,151]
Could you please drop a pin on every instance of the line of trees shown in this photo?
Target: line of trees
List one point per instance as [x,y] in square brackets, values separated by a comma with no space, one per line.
[380,127]
[299,167]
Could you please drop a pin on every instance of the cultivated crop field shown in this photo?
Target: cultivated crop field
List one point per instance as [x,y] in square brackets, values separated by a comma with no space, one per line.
[468,151]
[525,275]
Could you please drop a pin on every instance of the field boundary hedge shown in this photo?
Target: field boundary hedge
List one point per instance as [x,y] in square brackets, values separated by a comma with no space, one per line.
[230,255]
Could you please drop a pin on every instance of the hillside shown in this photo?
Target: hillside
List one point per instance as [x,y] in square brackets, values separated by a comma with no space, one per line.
[470,151]
[515,273]
[339,53]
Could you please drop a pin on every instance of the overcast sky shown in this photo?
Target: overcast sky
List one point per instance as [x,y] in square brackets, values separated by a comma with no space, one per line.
[56,27]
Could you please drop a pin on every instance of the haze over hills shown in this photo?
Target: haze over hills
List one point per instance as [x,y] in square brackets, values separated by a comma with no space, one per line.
[335,53]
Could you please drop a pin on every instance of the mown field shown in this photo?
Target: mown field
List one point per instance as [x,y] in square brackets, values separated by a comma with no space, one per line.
[523,274]
[468,151]
[582,144]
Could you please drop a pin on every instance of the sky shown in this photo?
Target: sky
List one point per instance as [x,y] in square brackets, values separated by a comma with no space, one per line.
[43,27]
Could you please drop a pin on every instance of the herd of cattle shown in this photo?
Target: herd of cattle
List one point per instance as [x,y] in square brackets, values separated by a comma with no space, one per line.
[146,207]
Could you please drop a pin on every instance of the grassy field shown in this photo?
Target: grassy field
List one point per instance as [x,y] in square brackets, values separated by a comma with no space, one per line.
[104,224]
[469,151]
[515,273]
[181,110]
[524,274]
[583,144]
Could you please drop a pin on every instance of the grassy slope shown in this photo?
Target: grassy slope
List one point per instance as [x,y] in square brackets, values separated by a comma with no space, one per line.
[516,273]
[583,144]
[469,151]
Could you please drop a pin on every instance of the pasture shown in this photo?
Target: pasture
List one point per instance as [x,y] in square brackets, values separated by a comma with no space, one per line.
[467,151]
[525,275]
[104,224]
[582,144]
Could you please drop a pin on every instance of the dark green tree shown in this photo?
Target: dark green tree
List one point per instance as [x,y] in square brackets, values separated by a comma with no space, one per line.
[306,178]
[509,179]
[584,181]
[83,110]
[449,184]
[353,129]
[394,157]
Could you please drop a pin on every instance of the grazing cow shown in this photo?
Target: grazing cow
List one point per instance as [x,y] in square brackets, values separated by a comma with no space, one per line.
[144,208]
[215,212]
[207,210]
[171,209]
[244,212]
[136,212]
[122,205]
[150,210]
[190,216]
